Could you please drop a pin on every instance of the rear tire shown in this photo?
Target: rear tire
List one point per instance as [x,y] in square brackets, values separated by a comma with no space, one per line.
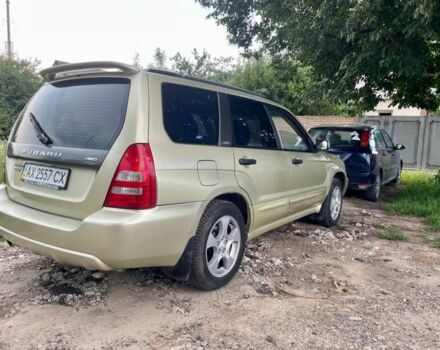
[218,246]
[373,193]
[332,207]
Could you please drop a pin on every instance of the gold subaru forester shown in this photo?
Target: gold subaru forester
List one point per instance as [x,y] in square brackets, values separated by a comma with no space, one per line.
[111,167]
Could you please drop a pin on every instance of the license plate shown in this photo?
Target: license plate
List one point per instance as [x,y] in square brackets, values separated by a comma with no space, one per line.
[45,176]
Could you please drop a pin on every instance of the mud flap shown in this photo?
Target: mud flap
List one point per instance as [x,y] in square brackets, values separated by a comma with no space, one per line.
[181,271]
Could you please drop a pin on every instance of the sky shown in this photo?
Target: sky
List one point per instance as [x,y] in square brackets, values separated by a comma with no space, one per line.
[81,30]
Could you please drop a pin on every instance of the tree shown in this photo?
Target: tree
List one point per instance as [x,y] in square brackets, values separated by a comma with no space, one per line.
[137,60]
[159,59]
[197,64]
[258,74]
[359,50]
[18,82]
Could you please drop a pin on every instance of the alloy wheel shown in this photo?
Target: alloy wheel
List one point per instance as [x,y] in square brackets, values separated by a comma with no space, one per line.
[335,202]
[223,246]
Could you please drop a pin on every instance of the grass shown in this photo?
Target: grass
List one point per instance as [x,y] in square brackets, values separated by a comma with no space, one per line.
[419,195]
[392,234]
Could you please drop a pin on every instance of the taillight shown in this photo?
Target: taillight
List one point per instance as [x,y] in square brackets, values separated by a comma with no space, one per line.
[134,183]
[365,139]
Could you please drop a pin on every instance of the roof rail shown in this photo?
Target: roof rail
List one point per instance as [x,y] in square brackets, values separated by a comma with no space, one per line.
[206,81]
[76,68]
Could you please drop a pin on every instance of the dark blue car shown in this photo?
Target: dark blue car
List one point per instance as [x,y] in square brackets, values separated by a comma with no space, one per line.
[370,156]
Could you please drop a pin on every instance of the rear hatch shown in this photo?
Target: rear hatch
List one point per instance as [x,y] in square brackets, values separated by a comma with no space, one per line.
[60,141]
[351,144]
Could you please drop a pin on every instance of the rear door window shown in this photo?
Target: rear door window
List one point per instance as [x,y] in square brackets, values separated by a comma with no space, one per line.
[191,115]
[251,124]
[81,113]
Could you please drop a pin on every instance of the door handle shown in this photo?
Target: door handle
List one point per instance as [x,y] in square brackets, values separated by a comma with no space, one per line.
[297,161]
[247,161]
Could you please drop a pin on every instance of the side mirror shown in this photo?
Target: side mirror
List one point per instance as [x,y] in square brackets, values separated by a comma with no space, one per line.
[322,145]
[399,147]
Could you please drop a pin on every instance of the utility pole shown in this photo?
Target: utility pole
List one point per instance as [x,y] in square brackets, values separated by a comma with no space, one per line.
[8,43]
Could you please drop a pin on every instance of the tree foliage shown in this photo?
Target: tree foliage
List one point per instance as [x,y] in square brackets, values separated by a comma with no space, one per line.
[360,50]
[18,82]
[198,64]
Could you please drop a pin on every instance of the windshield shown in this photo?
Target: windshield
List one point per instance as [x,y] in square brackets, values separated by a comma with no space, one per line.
[83,113]
[337,137]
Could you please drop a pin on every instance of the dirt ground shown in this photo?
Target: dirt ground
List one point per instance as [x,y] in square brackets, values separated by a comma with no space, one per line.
[300,287]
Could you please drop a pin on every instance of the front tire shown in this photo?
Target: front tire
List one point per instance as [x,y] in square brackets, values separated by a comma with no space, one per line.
[218,246]
[332,207]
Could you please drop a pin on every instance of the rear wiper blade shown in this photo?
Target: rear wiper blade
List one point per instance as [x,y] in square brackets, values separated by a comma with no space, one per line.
[42,136]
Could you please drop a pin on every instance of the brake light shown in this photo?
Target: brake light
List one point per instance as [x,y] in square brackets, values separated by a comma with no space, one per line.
[365,139]
[134,183]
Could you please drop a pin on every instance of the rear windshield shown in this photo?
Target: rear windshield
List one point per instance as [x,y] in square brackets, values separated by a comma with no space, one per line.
[82,113]
[337,137]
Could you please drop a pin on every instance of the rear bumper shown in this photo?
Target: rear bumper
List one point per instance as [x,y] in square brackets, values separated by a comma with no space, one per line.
[108,239]
[360,181]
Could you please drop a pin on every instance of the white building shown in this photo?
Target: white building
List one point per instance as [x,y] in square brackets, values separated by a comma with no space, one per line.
[384,108]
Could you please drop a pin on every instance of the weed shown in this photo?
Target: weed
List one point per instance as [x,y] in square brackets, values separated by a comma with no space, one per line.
[392,234]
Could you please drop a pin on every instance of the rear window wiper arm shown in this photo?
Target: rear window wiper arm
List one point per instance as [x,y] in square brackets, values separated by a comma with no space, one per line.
[42,136]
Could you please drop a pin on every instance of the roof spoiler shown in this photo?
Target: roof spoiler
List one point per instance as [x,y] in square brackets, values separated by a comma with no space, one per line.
[51,73]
